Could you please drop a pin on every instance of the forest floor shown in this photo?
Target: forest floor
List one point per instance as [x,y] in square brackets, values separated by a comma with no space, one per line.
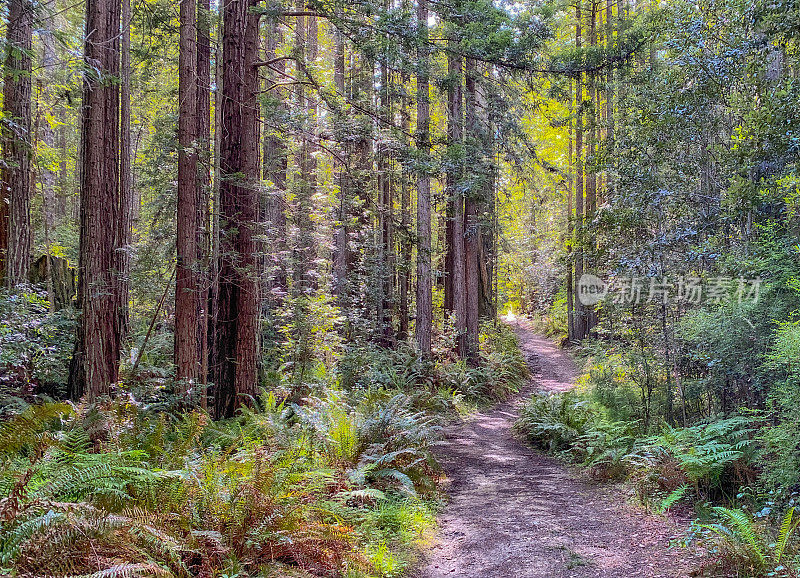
[513,512]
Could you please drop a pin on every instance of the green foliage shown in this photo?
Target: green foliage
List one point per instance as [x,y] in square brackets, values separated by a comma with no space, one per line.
[119,490]
[617,381]
[35,344]
[781,437]
[555,422]
[438,385]
[746,545]
[331,475]
[714,457]
[674,497]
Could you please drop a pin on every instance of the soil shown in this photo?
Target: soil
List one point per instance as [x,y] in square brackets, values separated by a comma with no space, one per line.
[513,512]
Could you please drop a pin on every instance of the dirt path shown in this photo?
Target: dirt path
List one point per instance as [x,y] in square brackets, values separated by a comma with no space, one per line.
[516,513]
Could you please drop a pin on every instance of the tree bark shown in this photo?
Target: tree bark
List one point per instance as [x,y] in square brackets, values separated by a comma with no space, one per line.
[125,225]
[579,322]
[188,282]
[15,196]
[472,202]
[236,334]
[455,198]
[570,232]
[424,310]
[214,262]
[94,367]
[487,259]
[204,168]
[275,167]
[405,223]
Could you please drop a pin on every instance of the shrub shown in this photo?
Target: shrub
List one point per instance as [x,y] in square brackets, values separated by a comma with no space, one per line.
[714,457]
[555,422]
[35,344]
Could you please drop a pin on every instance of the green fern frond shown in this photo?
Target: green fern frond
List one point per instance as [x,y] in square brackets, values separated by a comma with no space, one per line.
[742,528]
[140,570]
[674,496]
[28,428]
[787,528]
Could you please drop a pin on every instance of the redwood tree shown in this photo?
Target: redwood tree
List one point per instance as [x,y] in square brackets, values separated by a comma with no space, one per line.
[579,322]
[424,312]
[472,203]
[95,363]
[189,214]
[15,213]
[236,332]
[125,222]
[204,172]
[455,199]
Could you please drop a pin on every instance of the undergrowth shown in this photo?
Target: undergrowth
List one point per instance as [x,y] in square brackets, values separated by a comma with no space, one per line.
[338,480]
[712,466]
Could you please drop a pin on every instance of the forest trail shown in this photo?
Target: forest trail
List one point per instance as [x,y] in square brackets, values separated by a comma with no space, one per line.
[513,512]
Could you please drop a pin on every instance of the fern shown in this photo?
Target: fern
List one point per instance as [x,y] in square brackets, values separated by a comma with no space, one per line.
[673,498]
[744,530]
[743,541]
[140,570]
[788,526]
[31,428]
[123,488]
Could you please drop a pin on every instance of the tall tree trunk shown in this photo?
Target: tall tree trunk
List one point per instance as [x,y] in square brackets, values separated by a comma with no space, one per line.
[570,232]
[15,195]
[424,312]
[125,224]
[188,282]
[405,220]
[215,224]
[487,115]
[455,198]
[236,334]
[95,363]
[275,166]
[341,233]
[472,202]
[204,168]
[580,321]
[385,214]
[593,133]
